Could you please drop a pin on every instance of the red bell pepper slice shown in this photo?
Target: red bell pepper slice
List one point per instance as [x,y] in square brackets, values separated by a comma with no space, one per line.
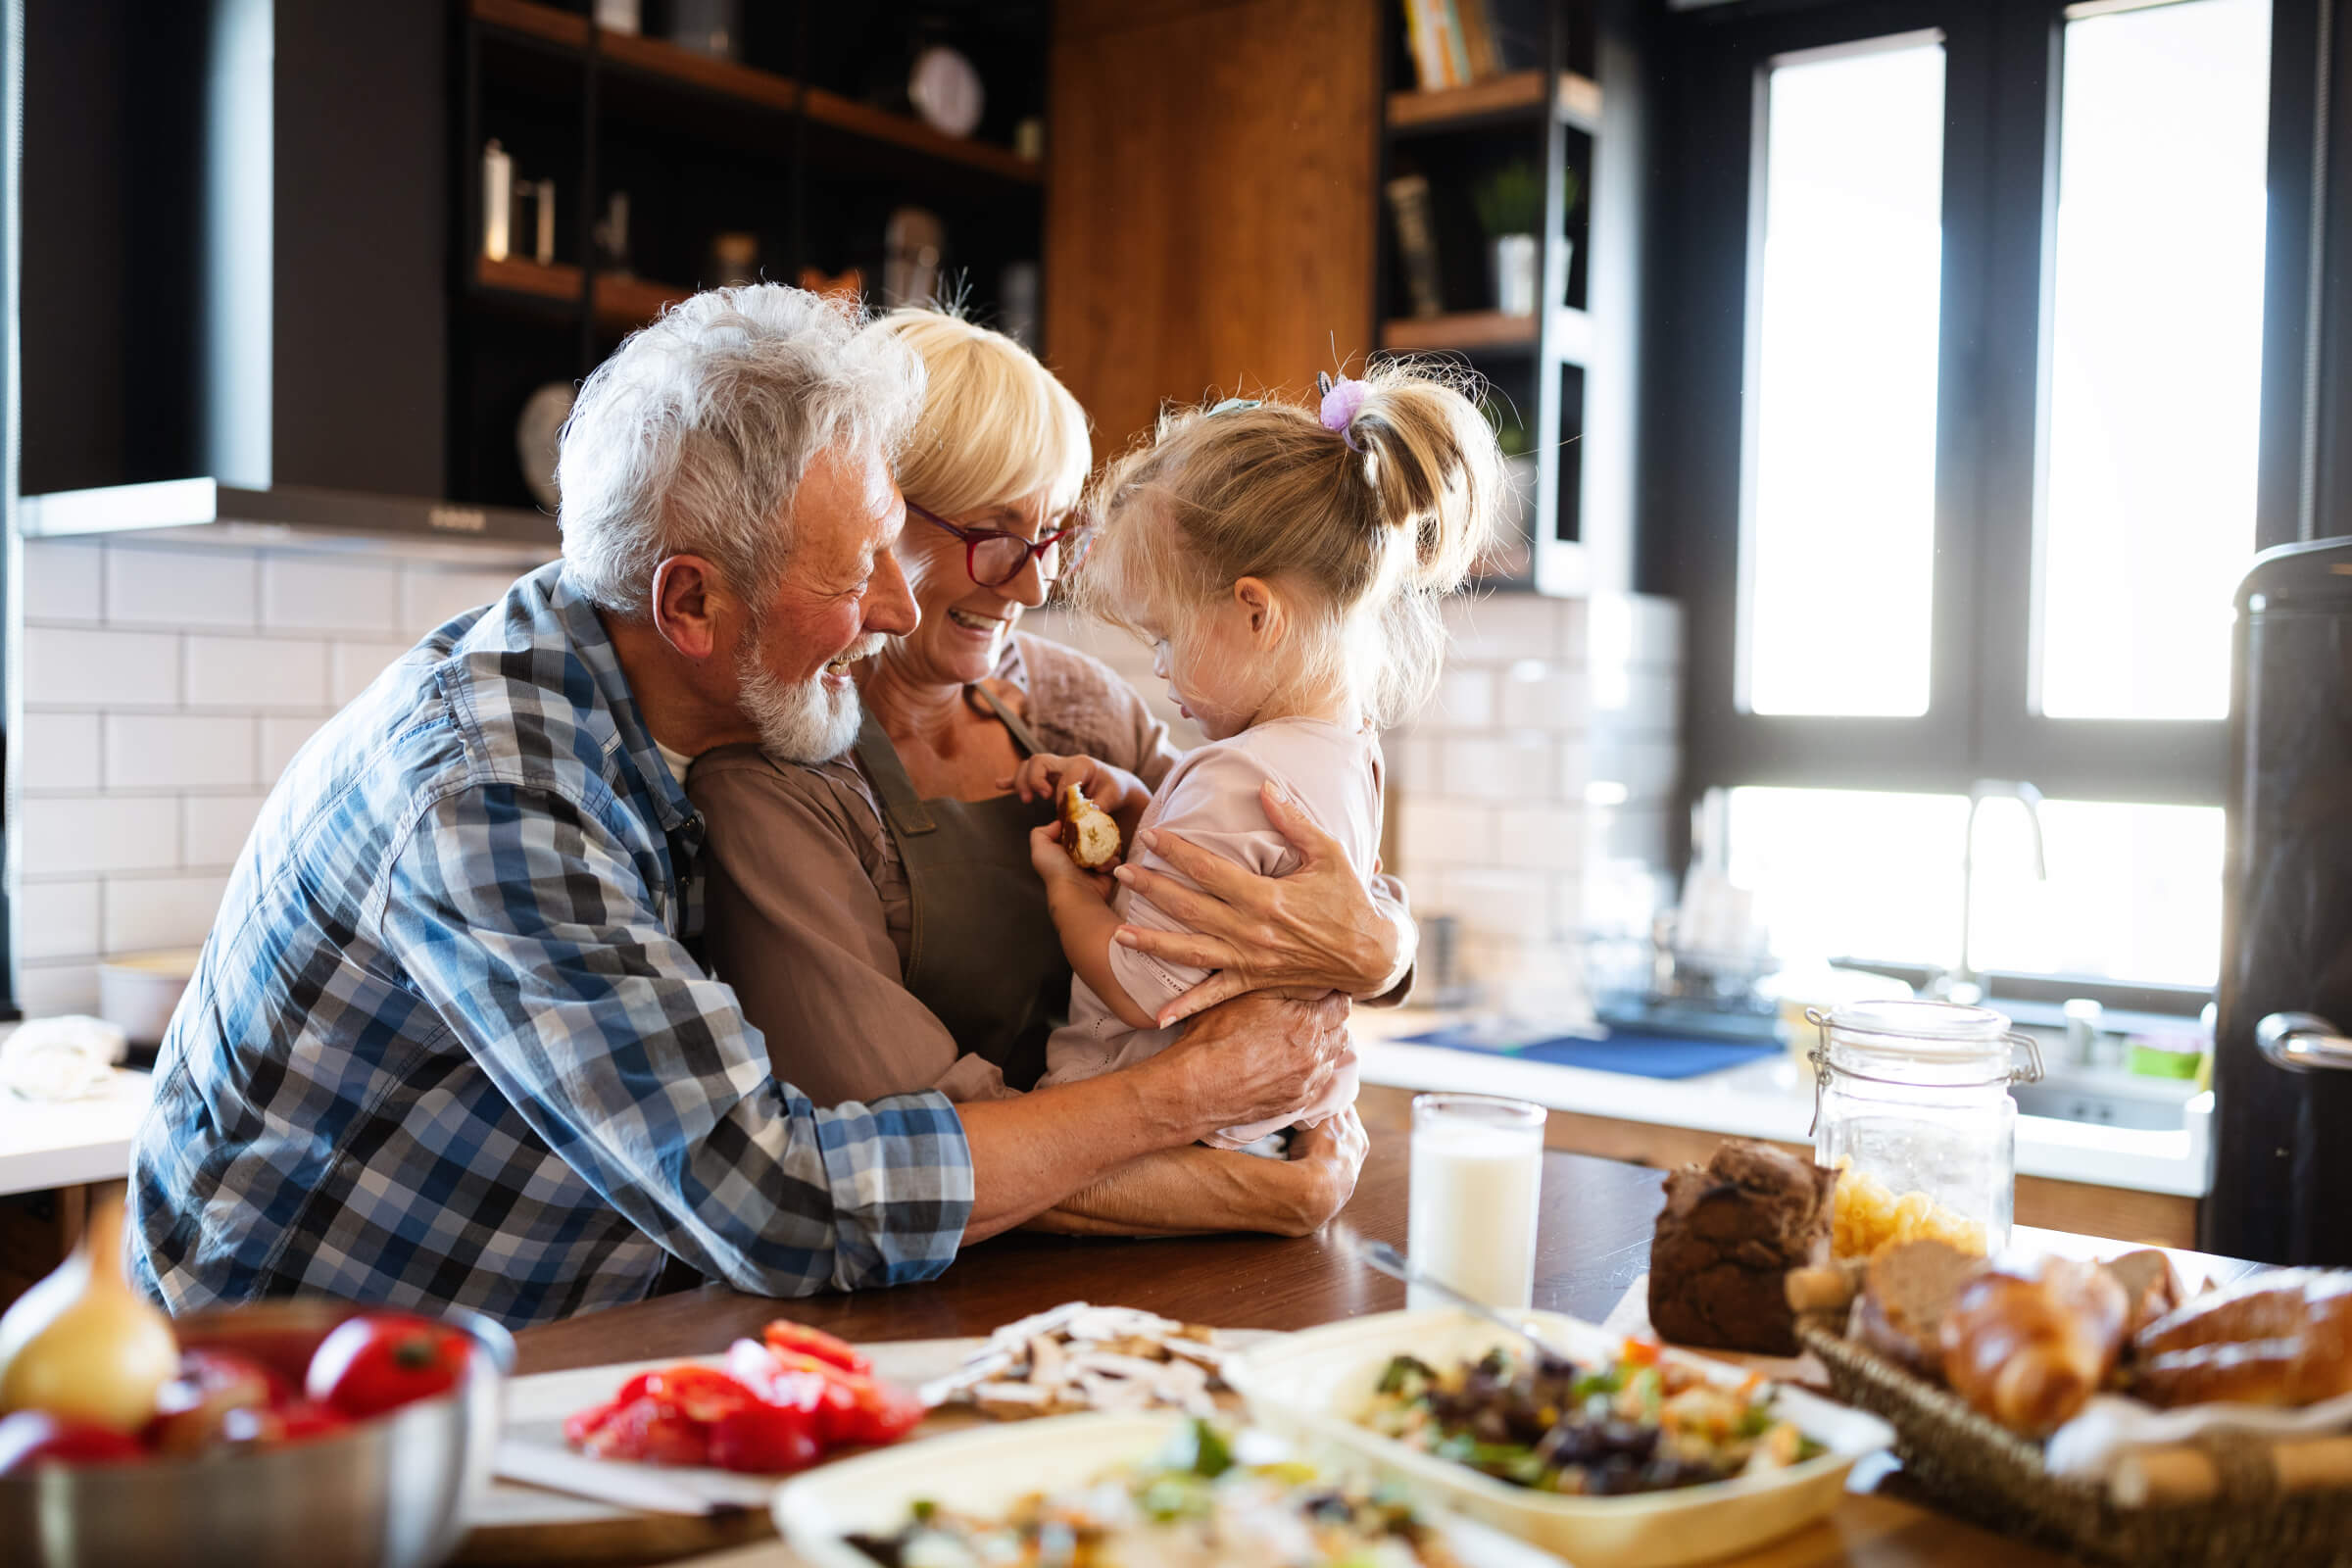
[789,1338]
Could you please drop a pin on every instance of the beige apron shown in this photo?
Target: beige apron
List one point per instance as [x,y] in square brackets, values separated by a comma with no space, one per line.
[982,953]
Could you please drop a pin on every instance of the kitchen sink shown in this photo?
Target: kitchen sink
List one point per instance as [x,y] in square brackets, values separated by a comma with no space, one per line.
[2109,1098]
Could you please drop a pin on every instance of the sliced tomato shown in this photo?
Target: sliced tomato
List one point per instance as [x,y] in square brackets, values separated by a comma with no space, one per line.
[881,1412]
[698,1392]
[765,1439]
[798,1339]
[646,1429]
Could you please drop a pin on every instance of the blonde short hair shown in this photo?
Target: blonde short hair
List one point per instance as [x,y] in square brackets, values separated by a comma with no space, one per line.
[1367,526]
[996,427]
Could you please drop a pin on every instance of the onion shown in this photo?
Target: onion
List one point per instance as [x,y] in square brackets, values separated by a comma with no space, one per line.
[82,1343]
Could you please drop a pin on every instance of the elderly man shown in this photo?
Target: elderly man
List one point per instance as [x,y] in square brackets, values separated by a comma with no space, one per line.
[447,1042]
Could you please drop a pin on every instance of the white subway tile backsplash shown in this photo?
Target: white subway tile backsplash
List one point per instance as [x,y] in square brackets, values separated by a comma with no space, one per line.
[45,990]
[1413,762]
[1464,700]
[213,828]
[71,669]
[57,752]
[352,667]
[1636,701]
[1547,837]
[57,920]
[429,595]
[257,672]
[63,579]
[74,835]
[1433,832]
[1512,768]
[1640,629]
[281,738]
[1544,696]
[1494,628]
[314,593]
[153,585]
[166,750]
[1493,903]
[1647,765]
[159,912]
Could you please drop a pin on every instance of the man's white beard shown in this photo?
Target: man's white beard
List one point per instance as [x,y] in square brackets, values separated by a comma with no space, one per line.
[808,723]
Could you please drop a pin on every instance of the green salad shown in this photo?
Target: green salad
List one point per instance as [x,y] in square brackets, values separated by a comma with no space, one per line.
[1637,1424]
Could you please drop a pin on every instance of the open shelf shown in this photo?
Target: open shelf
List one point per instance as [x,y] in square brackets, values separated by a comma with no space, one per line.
[1463,329]
[1575,99]
[621,303]
[762,89]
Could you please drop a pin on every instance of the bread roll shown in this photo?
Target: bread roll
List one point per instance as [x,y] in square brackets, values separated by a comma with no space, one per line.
[2282,1336]
[2029,1349]
[1087,830]
[2150,1285]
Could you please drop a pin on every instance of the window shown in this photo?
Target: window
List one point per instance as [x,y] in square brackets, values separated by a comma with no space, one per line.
[1969,498]
[1844,442]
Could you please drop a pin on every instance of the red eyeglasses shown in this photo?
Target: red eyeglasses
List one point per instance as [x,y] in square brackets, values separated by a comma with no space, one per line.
[993,557]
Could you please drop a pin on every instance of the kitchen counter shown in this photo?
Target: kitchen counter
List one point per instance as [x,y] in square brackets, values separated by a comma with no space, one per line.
[44,1144]
[1592,1241]
[2154,1177]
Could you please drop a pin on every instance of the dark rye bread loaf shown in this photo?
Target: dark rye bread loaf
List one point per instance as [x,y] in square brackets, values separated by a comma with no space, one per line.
[1726,1239]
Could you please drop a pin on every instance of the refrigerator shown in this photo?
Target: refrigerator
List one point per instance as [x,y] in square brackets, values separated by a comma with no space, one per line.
[2283,1065]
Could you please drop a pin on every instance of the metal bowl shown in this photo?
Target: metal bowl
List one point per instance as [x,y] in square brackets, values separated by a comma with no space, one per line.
[389,1492]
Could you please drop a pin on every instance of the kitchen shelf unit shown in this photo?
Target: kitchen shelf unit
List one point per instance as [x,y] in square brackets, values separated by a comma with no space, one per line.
[779,143]
[1567,369]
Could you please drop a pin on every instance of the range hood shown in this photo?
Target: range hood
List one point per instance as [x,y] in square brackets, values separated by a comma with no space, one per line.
[309,374]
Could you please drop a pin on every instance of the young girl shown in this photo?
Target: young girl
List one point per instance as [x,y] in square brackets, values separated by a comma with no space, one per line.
[1286,565]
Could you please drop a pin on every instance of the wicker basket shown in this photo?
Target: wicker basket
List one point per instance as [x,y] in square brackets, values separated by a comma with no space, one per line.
[1993,1476]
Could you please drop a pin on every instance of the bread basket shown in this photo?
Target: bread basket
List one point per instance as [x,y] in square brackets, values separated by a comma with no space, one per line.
[1997,1478]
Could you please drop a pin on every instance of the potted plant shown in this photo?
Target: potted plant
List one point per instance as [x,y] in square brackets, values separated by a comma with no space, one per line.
[1509,202]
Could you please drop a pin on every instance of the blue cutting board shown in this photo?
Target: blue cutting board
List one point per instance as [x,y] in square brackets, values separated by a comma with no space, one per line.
[1642,1055]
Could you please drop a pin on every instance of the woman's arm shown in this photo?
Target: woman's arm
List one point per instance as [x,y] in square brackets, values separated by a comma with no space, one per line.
[1200,1191]
[1315,929]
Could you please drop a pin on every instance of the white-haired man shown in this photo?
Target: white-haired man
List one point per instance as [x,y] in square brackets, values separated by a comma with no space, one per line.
[448,1044]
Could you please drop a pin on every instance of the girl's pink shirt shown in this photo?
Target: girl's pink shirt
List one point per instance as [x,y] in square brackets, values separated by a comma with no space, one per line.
[1212,798]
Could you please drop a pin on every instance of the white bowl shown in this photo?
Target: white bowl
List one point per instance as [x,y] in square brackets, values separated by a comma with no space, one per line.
[1311,1385]
[139,994]
[986,1471]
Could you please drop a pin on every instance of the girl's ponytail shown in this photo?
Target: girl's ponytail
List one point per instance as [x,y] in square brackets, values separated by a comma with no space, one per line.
[1432,465]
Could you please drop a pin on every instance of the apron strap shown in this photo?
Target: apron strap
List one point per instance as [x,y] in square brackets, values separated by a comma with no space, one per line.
[1023,735]
[905,809]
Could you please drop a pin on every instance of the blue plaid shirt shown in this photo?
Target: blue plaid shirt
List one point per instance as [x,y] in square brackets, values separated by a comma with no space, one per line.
[447,1042]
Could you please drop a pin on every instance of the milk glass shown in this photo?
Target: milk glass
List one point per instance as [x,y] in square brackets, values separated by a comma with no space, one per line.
[1478,1163]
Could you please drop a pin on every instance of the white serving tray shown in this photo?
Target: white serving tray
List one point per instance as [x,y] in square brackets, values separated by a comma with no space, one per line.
[1311,1387]
[986,1471]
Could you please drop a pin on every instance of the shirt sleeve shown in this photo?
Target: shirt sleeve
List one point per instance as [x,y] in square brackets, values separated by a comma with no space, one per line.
[1214,804]
[792,920]
[528,922]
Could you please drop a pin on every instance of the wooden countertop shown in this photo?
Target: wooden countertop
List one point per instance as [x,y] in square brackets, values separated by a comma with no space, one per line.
[1592,1242]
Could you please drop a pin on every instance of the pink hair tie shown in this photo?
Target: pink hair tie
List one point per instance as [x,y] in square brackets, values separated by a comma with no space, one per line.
[1343,400]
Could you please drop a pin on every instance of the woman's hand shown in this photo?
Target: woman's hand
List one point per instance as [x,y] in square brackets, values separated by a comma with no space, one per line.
[1197,1191]
[1315,929]
[1327,1158]
[1043,775]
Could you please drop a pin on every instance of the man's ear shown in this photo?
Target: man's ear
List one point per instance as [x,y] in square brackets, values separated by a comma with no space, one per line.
[687,601]
[1260,603]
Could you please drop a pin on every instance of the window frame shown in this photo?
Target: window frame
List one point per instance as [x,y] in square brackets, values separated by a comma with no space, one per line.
[2003,62]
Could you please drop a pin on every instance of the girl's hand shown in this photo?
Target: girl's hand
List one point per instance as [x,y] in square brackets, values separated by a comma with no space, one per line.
[1043,775]
[1316,928]
[1054,866]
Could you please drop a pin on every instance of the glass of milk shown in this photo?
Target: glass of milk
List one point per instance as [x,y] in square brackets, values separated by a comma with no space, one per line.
[1478,1163]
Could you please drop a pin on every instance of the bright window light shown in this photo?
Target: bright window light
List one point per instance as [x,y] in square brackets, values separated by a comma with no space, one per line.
[2133,893]
[2155,357]
[1838,559]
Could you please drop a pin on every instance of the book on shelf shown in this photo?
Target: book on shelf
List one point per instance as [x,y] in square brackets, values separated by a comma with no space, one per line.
[1454,42]
[1417,242]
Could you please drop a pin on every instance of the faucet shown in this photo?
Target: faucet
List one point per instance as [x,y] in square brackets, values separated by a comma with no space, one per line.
[1951,983]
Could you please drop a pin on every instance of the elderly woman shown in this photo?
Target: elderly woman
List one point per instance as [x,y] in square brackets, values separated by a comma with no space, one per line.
[887,897]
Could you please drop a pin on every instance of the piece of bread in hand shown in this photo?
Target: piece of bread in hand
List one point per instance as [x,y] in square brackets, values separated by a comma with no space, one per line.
[2030,1346]
[1087,830]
